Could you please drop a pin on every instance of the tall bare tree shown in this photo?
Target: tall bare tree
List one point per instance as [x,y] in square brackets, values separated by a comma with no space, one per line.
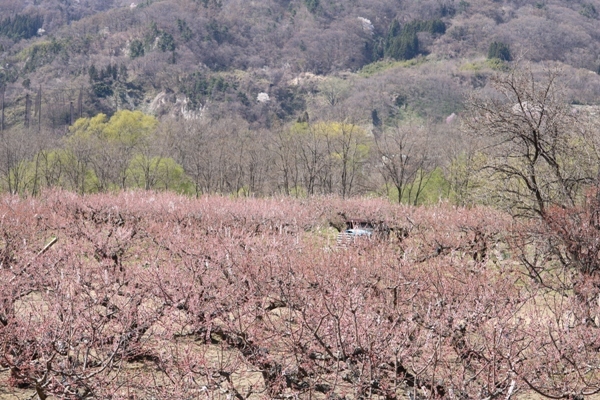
[37,108]
[15,148]
[3,106]
[404,157]
[537,149]
[27,110]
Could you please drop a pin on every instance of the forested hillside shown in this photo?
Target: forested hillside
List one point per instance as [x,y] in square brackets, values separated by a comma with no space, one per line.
[251,85]
[216,56]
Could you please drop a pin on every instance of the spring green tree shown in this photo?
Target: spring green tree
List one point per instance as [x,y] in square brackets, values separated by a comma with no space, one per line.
[107,146]
[500,51]
[157,173]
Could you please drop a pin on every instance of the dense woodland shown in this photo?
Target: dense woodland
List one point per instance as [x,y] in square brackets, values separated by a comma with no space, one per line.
[269,97]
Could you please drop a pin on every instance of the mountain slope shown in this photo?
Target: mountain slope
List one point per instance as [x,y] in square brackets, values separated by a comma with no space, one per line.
[216,56]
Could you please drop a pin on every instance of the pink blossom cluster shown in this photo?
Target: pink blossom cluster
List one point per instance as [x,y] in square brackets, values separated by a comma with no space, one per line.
[151,295]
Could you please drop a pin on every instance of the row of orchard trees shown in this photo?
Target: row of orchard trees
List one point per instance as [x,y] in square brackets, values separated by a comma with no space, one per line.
[133,150]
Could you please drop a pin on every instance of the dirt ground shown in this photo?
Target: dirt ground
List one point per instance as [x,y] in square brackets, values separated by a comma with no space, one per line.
[11,393]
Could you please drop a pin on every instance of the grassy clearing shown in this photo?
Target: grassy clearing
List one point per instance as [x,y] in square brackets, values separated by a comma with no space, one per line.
[384,65]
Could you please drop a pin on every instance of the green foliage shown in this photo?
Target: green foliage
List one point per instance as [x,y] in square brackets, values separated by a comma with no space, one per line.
[144,4]
[86,128]
[402,43]
[243,98]
[107,146]
[151,35]
[401,100]
[93,73]
[217,31]
[102,89]
[500,51]
[376,121]
[435,189]
[44,170]
[312,5]
[184,30]
[291,101]
[352,139]
[380,66]
[158,38]
[198,86]
[57,168]
[428,187]
[128,128]
[158,173]
[125,128]
[433,26]
[463,6]
[82,177]
[497,64]
[136,48]
[166,42]
[298,192]
[395,29]
[481,67]
[40,54]
[447,10]
[103,80]
[588,10]
[211,3]
[21,26]
[123,73]
[403,47]
[436,27]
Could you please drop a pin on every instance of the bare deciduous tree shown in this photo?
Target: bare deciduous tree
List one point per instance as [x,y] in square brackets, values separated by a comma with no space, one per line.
[404,158]
[535,143]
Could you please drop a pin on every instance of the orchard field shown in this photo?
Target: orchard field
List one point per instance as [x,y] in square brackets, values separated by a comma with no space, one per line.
[143,295]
